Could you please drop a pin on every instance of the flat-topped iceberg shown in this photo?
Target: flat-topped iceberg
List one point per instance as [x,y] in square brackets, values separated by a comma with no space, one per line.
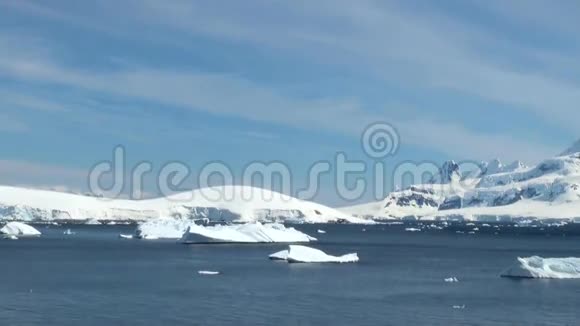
[19,229]
[303,254]
[538,267]
[245,233]
[190,232]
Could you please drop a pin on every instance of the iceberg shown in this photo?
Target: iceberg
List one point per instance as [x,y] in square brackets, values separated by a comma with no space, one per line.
[162,228]
[19,229]
[538,267]
[245,233]
[280,255]
[303,254]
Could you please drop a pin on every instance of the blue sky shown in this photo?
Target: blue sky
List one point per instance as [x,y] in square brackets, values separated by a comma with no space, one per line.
[293,81]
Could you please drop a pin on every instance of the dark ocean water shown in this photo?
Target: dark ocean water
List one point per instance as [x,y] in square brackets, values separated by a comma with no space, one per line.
[94,278]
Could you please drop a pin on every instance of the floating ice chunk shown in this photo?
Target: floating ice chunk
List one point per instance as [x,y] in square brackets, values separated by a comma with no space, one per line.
[538,267]
[302,254]
[19,229]
[126,236]
[321,231]
[11,237]
[452,280]
[459,307]
[68,232]
[162,228]
[280,255]
[245,233]
[208,273]
[412,230]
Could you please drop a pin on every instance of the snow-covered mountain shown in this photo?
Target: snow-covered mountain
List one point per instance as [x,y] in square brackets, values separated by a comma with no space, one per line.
[549,190]
[228,203]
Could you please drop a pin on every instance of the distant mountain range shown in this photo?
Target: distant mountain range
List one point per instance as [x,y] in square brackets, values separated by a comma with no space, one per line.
[237,204]
[498,192]
[549,190]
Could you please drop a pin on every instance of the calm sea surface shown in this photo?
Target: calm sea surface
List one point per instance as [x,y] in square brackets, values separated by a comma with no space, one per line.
[95,278]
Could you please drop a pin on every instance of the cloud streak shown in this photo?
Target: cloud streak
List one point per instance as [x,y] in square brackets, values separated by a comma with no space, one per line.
[420,50]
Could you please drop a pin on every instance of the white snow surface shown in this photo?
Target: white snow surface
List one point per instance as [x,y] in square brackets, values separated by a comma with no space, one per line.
[224,203]
[189,231]
[19,229]
[280,255]
[303,254]
[549,190]
[538,267]
[245,233]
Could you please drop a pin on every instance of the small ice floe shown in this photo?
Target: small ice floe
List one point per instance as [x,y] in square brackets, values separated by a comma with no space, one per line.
[485,225]
[475,229]
[459,232]
[11,237]
[412,230]
[321,231]
[471,232]
[459,307]
[208,273]
[538,267]
[451,280]
[126,236]
[303,254]
[364,230]
[68,232]
[19,229]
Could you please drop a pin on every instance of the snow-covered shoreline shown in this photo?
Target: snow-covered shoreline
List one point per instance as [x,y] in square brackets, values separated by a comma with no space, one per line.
[235,204]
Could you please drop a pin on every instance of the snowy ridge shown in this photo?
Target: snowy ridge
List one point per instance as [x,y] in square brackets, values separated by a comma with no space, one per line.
[223,204]
[549,190]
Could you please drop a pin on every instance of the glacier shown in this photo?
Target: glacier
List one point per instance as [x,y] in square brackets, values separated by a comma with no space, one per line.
[538,267]
[303,254]
[19,229]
